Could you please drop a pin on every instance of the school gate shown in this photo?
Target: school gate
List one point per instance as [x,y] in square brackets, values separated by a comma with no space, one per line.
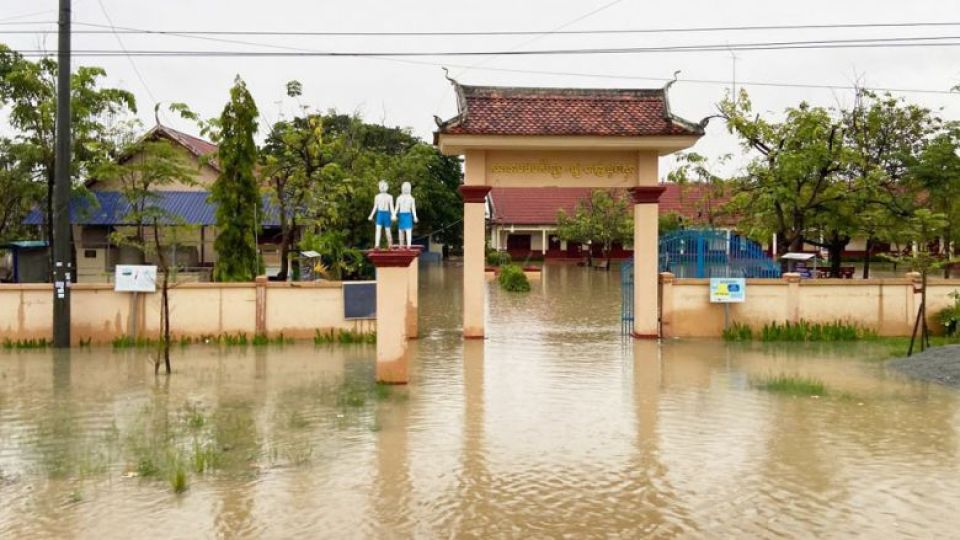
[563,137]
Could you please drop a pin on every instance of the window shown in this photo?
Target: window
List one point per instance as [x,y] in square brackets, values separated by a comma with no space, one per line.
[90,254]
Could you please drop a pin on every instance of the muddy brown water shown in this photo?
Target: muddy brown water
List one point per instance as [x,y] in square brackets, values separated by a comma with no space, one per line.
[552,426]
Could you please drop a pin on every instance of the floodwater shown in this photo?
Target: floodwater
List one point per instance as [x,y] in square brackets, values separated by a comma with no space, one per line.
[552,426]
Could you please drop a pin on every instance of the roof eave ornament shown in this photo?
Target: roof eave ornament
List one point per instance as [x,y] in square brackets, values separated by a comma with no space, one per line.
[461,100]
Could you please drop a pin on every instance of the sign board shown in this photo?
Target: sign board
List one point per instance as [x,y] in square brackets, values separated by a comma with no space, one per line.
[135,278]
[360,300]
[728,290]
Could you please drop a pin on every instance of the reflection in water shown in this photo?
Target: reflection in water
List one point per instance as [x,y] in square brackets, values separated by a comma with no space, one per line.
[554,425]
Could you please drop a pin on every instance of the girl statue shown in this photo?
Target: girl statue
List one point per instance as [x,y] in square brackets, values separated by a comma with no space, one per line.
[406,215]
[383,209]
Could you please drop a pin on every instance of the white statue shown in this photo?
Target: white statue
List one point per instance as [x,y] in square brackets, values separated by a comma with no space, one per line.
[406,215]
[384,211]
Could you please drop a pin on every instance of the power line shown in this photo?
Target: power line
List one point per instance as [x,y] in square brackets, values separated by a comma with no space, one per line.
[133,64]
[868,43]
[469,33]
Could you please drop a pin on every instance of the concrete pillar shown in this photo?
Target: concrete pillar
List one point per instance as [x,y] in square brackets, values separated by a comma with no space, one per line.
[393,290]
[261,311]
[666,304]
[793,296]
[474,285]
[413,303]
[645,261]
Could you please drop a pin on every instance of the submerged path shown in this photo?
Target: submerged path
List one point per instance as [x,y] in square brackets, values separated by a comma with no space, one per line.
[939,364]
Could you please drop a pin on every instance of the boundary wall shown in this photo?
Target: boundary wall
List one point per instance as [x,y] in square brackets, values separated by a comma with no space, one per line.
[99,314]
[887,306]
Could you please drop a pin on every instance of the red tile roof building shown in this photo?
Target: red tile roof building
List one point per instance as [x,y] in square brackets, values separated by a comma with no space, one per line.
[488,110]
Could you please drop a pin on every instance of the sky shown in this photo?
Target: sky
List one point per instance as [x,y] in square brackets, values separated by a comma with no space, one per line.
[409,92]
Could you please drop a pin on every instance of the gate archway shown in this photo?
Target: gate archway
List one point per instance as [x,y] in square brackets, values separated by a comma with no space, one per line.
[570,137]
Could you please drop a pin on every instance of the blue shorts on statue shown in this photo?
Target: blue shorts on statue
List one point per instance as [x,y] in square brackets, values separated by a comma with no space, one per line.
[383,218]
[404,220]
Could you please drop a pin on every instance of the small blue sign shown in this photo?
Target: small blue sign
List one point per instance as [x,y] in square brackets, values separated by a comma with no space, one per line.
[728,290]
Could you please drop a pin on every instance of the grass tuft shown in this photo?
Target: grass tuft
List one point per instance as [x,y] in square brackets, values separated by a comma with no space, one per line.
[738,332]
[791,385]
[39,343]
[346,337]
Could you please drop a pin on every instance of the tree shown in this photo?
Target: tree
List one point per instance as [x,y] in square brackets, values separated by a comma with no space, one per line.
[236,191]
[28,89]
[143,170]
[883,135]
[604,218]
[936,174]
[922,227]
[793,178]
[19,192]
[146,167]
[694,171]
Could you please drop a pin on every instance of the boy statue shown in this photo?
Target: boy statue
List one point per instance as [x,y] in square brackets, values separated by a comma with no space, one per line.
[406,215]
[384,210]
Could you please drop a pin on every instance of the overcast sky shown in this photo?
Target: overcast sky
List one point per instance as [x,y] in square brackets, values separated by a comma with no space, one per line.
[398,92]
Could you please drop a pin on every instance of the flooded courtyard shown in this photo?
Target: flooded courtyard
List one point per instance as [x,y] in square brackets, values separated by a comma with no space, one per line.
[552,426]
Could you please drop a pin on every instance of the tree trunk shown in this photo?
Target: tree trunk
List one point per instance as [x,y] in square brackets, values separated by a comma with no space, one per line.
[164,305]
[284,250]
[946,265]
[866,260]
[835,249]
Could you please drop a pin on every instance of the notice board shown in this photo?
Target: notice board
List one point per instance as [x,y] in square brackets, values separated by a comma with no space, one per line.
[360,300]
[135,278]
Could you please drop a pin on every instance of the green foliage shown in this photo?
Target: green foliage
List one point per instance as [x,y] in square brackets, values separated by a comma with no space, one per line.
[28,95]
[128,342]
[513,279]
[694,169]
[791,385]
[669,222]
[497,258]
[345,337]
[949,317]
[38,343]
[340,261]
[261,340]
[235,191]
[809,331]
[738,332]
[605,219]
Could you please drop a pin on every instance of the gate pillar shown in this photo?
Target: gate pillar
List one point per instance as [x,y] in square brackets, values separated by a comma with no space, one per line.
[474,284]
[645,261]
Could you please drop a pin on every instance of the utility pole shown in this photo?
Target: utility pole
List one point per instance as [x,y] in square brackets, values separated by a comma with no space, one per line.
[62,267]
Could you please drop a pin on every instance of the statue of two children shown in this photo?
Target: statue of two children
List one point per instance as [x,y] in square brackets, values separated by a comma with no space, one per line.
[404,212]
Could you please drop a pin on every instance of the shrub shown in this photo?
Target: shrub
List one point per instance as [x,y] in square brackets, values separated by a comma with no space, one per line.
[513,279]
[949,316]
[738,332]
[497,258]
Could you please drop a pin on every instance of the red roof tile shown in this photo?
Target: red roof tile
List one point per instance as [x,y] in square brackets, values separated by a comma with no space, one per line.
[539,206]
[194,145]
[489,110]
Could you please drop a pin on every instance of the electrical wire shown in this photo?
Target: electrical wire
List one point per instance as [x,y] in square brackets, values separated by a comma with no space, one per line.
[133,64]
[870,43]
[479,33]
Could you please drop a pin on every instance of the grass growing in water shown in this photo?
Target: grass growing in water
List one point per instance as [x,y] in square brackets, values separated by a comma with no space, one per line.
[738,332]
[808,331]
[347,337]
[39,343]
[791,385]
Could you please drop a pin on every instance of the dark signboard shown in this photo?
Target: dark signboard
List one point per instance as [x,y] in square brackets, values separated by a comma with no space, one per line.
[360,300]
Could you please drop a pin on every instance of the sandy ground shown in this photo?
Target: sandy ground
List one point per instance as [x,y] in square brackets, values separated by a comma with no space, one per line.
[939,364]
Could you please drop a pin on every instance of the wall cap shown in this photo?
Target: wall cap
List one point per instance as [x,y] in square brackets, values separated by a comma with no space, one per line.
[392,258]
[474,194]
[646,194]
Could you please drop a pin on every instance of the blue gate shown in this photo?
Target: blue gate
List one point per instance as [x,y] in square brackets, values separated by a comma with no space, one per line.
[704,253]
[626,298]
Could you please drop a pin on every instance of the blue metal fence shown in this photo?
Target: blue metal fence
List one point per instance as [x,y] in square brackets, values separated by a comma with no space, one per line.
[704,253]
[626,298]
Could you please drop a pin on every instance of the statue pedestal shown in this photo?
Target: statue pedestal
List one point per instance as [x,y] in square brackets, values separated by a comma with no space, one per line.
[396,305]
